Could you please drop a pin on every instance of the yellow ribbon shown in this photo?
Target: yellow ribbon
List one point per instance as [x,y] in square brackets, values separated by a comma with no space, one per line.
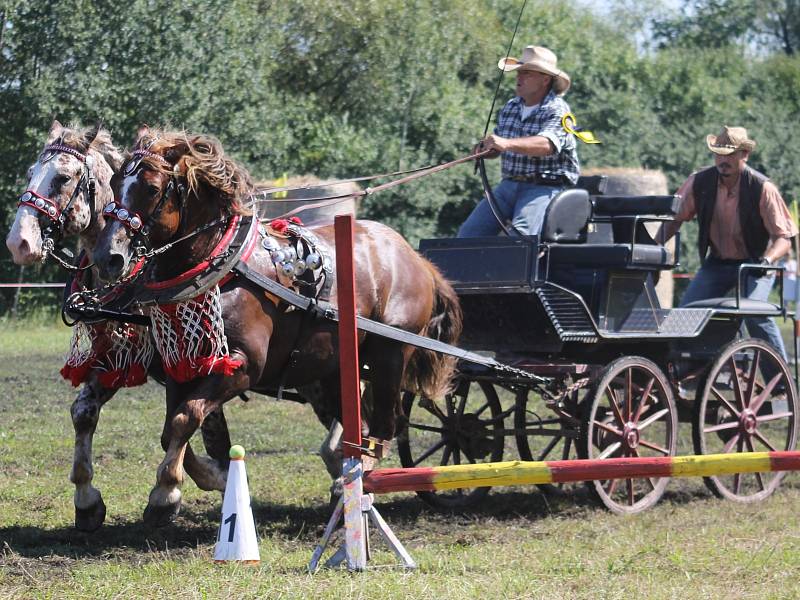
[570,125]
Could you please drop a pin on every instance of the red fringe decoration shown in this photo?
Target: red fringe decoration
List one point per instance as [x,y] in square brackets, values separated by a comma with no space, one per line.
[76,375]
[280,225]
[186,369]
[134,376]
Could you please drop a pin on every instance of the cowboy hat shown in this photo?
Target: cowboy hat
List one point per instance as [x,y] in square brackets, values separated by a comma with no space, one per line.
[538,58]
[729,141]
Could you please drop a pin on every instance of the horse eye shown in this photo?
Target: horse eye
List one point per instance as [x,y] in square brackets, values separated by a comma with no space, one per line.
[61,179]
[152,190]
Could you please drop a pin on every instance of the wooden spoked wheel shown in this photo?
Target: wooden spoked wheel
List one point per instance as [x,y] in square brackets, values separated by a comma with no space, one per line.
[746,403]
[542,434]
[630,413]
[464,427]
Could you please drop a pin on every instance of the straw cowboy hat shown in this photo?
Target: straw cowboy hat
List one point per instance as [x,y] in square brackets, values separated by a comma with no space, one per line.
[538,58]
[729,141]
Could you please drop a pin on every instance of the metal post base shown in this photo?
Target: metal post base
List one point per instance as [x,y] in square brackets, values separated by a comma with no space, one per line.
[368,514]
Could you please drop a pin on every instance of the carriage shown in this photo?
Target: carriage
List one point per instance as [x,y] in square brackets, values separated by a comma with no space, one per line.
[566,351]
[602,370]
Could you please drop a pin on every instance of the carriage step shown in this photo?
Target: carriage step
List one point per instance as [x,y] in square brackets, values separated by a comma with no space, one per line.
[568,315]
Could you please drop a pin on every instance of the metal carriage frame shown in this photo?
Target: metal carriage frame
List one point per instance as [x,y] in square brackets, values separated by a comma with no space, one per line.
[615,372]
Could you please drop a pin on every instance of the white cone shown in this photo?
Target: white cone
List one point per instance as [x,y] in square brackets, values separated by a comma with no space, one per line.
[236,538]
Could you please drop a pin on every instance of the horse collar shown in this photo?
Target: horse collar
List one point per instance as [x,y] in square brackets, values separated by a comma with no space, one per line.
[237,243]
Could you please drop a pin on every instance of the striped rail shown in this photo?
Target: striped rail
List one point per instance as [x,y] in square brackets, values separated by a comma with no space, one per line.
[517,472]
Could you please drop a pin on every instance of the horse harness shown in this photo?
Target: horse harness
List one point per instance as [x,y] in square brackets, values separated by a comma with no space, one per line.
[305,279]
[133,221]
[54,231]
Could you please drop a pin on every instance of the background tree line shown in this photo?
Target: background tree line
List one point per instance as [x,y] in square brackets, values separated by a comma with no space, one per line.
[341,88]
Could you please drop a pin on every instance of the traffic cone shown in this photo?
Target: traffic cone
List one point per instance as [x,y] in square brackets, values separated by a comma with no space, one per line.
[236,538]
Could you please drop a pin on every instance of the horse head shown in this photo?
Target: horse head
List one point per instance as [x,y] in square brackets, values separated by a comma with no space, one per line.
[170,191]
[67,187]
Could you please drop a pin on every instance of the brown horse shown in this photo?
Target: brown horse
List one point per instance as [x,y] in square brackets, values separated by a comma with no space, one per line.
[58,184]
[189,194]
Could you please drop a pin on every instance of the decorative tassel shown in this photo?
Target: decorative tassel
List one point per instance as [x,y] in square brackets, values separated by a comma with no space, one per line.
[190,337]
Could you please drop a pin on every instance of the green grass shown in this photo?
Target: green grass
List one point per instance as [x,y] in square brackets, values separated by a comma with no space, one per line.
[518,544]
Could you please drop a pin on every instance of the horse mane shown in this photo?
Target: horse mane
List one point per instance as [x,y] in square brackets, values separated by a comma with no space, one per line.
[205,162]
[76,136]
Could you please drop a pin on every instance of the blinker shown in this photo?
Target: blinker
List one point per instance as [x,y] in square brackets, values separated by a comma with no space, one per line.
[131,167]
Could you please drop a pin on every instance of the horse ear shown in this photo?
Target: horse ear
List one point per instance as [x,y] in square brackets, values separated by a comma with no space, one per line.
[91,135]
[142,131]
[55,131]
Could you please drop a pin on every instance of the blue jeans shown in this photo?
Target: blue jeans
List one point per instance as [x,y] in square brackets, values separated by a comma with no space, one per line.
[717,277]
[524,204]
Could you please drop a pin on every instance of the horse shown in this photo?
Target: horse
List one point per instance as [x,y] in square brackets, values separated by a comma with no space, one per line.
[190,197]
[67,188]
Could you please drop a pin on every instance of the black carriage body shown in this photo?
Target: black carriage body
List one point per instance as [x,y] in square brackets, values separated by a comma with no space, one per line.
[583,291]
[614,371]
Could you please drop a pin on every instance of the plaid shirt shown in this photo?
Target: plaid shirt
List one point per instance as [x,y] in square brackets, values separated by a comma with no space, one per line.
[546,122]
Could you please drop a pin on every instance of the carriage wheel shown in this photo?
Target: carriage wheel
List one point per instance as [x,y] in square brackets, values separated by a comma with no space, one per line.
[464,427]
[544,435]
[631,413]
[739,409]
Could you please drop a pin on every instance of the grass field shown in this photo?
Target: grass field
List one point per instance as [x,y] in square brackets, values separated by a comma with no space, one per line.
[518,544]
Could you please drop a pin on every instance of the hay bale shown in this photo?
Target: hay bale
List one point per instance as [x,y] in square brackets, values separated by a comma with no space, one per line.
[641,182]
[310,187]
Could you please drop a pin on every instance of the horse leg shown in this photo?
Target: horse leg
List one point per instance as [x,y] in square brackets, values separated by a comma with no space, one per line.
[90,510]
[387,362]
[187,408]
[216,437]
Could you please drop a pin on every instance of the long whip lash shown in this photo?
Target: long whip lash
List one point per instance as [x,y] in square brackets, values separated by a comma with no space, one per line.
[500,77]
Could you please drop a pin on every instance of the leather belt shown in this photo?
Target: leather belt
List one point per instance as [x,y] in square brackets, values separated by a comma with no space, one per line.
[542,179]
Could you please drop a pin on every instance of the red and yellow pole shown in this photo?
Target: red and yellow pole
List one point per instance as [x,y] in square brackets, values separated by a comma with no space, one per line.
[383,481]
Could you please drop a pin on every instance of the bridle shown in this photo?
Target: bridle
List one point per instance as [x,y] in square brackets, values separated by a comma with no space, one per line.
[133,221]
[54,231]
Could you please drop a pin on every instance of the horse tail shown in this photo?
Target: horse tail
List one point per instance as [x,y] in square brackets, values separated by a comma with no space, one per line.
[429,372]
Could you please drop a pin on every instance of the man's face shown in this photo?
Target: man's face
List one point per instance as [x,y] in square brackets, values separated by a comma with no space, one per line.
[531,84]
[731,165]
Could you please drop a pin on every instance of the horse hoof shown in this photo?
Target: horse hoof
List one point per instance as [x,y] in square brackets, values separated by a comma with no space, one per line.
[337,488]
[161,516]
[90,519]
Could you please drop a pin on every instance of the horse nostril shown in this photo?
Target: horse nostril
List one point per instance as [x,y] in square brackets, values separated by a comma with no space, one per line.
[115,264]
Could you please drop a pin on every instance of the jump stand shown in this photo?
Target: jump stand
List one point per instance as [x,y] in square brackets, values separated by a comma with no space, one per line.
[356,507]
[356,548]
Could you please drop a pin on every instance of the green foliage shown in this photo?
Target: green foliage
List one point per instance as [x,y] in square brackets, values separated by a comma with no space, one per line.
[347,88]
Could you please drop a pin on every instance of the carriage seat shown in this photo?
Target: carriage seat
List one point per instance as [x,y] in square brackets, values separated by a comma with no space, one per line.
[611,255]
[567,221]
[630,206]
[728,304]
[567,217]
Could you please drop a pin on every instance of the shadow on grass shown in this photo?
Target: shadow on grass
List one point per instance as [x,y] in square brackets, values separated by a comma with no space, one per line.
[198,528]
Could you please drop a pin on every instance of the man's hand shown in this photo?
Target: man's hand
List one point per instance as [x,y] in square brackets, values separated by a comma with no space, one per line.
[494,143]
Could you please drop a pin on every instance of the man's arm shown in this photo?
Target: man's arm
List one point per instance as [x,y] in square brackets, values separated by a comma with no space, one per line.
[778,222]
[778,249]
[667,231]
[534,145]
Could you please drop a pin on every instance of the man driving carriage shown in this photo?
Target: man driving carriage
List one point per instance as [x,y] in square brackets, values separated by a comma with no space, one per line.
[538,155]
[742,218]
